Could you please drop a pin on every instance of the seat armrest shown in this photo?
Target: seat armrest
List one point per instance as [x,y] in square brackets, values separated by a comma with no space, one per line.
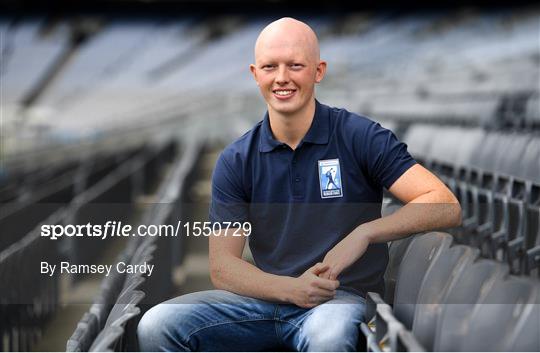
[372,300]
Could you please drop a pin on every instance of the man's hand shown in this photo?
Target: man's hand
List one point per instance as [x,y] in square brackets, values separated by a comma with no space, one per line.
[344,254]
[310,290]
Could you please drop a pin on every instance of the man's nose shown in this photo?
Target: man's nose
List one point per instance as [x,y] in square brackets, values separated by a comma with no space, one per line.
[282,75]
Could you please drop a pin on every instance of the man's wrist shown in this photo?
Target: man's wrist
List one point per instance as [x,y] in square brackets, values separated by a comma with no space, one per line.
[364,232]
[282,288]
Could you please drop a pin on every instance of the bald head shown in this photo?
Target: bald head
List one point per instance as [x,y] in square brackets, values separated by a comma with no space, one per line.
[287,33]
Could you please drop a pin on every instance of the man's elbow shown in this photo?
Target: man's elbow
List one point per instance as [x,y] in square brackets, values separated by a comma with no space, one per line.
[456,215]
[216,277]
[454,212]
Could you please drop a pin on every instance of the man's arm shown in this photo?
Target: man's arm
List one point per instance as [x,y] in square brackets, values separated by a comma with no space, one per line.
[429,204]
[230,272]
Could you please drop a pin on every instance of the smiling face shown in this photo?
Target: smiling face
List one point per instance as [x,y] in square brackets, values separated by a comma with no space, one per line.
[287,66]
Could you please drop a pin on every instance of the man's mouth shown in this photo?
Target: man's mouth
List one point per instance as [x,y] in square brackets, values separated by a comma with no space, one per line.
[283,93]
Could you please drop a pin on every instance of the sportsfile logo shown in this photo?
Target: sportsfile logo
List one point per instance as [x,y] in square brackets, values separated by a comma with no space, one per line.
[119,229]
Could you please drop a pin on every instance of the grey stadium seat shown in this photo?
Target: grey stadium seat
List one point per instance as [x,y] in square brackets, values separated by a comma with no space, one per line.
[484,158]
[530,158]
[396,250]
[124,304]
[524,336]
[533,111]
[107,339]
[87,329]
[422,251]
[460,300]
[496,317]
[406,342]
[510,162]
[442,275]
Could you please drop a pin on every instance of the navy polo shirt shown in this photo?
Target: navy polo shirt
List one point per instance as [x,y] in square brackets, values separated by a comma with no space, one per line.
[302,202]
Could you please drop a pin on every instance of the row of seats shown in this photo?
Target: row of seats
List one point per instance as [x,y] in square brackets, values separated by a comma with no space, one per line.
[41,194]
[498,110]
[28,298]
[513,154]
[496,177]
[505,80]
[112,199]
[447,298]
[117,303]
[111,322]
[501,217]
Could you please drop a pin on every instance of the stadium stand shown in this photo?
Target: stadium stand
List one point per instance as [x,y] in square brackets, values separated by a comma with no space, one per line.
[117,308]
[110,112]
[27,298]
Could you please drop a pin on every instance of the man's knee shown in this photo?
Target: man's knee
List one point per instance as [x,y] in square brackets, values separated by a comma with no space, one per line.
[167,326]
[150,329]
[332,327]
[338,337]
[159,328]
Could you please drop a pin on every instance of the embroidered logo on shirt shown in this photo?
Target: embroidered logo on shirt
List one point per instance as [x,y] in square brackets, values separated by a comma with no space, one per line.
[330,178]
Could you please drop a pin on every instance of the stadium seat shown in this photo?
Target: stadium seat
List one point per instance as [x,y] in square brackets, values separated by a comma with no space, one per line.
[87,329]
[523,336]
[529,160]
[396,250]
[107,339]
[132,283]
[385,335]
[495,317]
[443,273]
[517,223]
[407,342]
[484,157]
[510,156]
[532,114]
[144,252]
[473,284]
[422,251]
[124,304]
[467,147]
[533,235]
[419,138]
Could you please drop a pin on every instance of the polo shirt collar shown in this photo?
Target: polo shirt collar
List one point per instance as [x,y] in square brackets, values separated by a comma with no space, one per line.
[318,132]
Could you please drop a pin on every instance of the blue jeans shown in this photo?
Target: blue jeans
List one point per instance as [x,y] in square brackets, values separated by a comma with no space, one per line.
[218,320]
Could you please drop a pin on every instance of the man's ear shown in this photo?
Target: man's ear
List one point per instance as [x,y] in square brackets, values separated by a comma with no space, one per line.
[253,70]
[321,71]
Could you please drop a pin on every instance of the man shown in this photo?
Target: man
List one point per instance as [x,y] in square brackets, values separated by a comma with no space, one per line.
[317,251]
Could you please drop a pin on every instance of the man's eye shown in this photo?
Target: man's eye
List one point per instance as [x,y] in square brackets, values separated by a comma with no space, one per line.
[267,67]
[297,66]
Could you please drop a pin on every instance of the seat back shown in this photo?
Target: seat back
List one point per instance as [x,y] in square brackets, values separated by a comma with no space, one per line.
[475,282]
[107,339]
[496,317]
[422,251]
[87,329]
[126,302]
[530,158]
[442,274]
[524,336]
[396,251]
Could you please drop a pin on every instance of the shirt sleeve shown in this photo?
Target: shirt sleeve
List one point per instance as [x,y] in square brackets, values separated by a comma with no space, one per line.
[387,157]
[229,202]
